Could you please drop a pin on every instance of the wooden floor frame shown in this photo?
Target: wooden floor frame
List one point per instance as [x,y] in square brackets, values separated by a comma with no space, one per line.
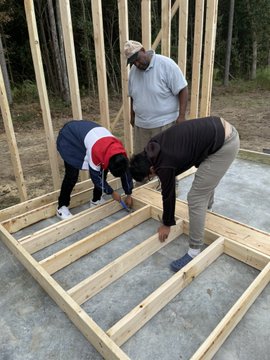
[223,235]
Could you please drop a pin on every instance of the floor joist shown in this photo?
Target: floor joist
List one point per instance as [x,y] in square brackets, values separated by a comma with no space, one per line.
[224,235]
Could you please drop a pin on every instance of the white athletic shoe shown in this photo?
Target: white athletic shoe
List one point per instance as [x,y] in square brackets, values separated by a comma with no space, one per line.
[98,202]
[63,213]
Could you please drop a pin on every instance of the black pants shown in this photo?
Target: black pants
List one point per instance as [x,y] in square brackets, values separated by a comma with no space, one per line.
[69,181]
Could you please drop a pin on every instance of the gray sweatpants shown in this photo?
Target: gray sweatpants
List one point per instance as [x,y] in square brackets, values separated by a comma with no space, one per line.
[201,195]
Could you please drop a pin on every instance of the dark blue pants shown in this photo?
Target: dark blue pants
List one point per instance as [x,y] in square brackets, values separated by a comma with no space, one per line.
[69,181]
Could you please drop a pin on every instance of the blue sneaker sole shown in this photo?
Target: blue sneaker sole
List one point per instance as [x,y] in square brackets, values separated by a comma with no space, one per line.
[180,263]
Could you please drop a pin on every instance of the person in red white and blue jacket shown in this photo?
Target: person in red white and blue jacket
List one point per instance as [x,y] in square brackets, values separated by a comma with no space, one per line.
[85,145]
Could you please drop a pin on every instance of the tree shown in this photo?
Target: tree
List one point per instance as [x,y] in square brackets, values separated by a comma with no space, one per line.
[4,71]
[229,44]
[4,18]
[86,47]
[60,67]
[62,54]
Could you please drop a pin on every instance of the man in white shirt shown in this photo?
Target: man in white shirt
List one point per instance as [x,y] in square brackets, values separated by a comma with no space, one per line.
[158,92]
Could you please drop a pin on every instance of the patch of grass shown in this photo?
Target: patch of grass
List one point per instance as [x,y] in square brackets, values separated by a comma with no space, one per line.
[263,78]
[25,92]
[262,82]
[25,116]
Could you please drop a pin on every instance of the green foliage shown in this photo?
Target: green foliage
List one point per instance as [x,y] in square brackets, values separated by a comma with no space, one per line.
[5,12]
[241,86]
[250,17]
[263,78]
[25,92]
[14,35]
[24,117]
[216,74]
[250,22]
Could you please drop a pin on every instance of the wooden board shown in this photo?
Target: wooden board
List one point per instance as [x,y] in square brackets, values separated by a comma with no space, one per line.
[225,236]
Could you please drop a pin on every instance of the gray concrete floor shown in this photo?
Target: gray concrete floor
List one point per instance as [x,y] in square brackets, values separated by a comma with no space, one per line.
[34,327]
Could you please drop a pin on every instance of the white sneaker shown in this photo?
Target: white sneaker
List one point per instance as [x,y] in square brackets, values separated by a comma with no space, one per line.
[98,202]
[63,213]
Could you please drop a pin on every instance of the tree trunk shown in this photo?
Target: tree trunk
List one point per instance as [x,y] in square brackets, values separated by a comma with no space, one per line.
[66,92]
[229,45]
[254,56]
[87,51]
[56,51]
[112,66]
[45,52]
[4,71]
[254,41]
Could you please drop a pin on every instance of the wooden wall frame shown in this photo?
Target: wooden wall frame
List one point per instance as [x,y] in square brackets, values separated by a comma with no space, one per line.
[200,87]
[223,235]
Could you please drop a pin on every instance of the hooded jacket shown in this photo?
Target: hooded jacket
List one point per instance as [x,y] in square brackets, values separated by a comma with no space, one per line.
[86,145]
[177,149]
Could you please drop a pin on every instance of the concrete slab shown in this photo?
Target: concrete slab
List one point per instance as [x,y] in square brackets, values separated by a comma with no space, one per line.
[242,194]
[33,326]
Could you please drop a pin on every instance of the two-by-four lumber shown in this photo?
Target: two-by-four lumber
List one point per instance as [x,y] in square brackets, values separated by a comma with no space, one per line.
[45,199]
[123,36]
[244,253]
[208,59]
[70,55]
[48,210]
[93,333]
[66,22]
[166,27]
[142,313]
[256,156]
[134,320]
[220,225]
[83,247]
[183,35]
[11,139]
[42,90]
[146,23]
[196,60]
[62,229]
[208,349]
[113,271]
[97,21]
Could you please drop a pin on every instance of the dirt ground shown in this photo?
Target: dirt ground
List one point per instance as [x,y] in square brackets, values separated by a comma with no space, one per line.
[249,112]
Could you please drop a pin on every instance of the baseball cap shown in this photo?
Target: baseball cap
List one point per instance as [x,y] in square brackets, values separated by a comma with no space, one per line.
[131,50]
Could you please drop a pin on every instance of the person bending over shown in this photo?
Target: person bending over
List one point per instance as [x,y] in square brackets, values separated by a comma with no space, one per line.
[85,145]
[210,144]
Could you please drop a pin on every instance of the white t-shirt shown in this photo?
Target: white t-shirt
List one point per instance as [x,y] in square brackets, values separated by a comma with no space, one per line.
[155,92]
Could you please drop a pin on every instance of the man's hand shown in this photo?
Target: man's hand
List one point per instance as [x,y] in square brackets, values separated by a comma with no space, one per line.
[183,100]
[163,232]
[129,201]
[181,118]
[116,196]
